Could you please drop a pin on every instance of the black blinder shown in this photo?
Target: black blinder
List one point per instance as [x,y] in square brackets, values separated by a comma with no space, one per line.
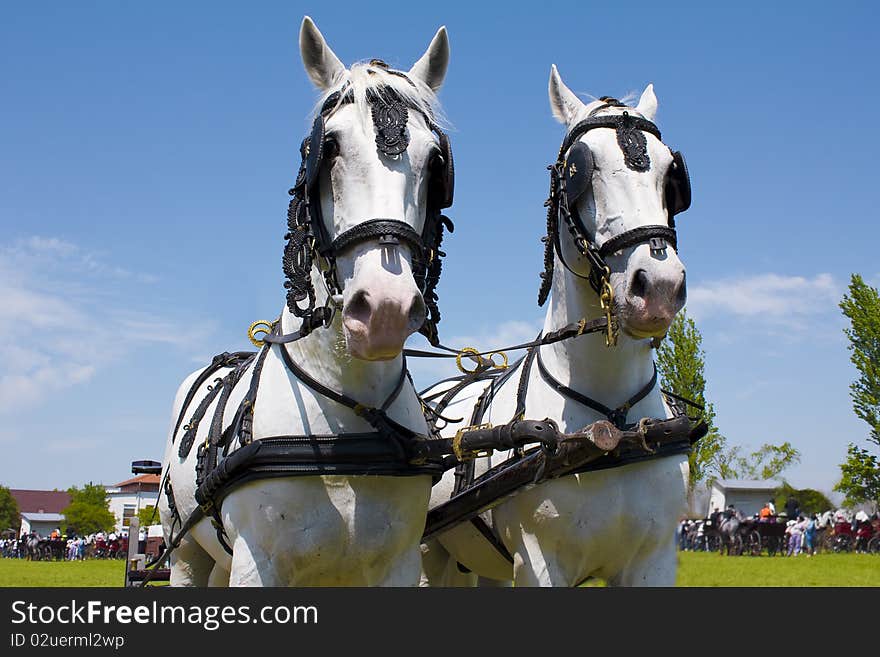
[315,152]
[678,188]
[442,184]
[578,173]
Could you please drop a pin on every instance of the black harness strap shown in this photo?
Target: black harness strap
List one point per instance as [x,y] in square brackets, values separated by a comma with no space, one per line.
[192,426]
[616,415]
[219,361]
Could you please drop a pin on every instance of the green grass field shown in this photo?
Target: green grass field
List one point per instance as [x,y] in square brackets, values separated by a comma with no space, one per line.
[695,569]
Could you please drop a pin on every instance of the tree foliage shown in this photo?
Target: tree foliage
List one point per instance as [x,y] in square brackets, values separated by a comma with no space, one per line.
[147,516]
[9,512]
[860,473]
[809,500]
[681,365]
[767,462]
[89,510]
[862,307]
[860,477]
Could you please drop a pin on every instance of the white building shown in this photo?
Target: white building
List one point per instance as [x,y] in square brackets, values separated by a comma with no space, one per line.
[42,523]
[747,496]
[130,496]
[40,510]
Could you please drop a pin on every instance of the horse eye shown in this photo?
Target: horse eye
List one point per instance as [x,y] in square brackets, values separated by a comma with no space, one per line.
[331,148]
[437,162]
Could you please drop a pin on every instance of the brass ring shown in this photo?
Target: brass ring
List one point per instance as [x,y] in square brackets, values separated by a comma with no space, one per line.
[472,352]
[498,366]
[256,327]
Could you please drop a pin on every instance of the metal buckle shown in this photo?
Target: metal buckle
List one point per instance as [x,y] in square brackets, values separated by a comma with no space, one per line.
[468,455]
[606,301]
[657,244]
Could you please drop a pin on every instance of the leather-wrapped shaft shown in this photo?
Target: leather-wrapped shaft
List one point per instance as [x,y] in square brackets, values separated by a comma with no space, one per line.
[599,443]
[506,436]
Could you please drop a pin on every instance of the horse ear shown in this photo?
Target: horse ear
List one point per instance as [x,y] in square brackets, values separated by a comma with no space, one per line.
[431,67]
[563,102]
[321,63]
[647,106]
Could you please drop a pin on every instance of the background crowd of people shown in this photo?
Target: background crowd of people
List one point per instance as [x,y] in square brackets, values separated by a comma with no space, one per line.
[59,546]
[836,530]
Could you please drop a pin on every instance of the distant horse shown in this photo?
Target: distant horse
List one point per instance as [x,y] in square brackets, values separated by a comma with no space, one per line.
[728,532]
[34,548]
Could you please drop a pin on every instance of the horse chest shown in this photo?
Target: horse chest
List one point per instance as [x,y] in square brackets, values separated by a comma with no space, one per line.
[330,529]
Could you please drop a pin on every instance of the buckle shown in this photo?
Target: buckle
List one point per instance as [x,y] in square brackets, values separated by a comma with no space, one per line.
[470,454]
[657,244]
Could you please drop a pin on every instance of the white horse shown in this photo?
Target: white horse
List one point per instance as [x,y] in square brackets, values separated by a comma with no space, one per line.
[619,523]
[327,529]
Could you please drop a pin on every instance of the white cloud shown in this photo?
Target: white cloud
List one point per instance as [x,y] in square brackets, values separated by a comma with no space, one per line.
[766,297]
[60,321]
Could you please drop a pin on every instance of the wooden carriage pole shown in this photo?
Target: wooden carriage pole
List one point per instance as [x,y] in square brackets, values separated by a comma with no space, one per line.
[131,560]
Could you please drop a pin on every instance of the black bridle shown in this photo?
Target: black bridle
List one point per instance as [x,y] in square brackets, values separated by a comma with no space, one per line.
[308,240]
[571,177]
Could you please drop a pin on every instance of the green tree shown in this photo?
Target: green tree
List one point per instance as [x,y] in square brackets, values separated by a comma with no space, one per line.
[89,510]
[681,365]
[9,513]
[860,477]
[810,501]
[860,474]
[148,515]
[862,307]
[767,462]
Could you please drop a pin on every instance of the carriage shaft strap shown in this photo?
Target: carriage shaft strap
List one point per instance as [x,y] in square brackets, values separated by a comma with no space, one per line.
[601,443]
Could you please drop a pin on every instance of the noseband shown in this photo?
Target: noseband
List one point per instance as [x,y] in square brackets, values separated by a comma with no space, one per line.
[308,239]
[571,177]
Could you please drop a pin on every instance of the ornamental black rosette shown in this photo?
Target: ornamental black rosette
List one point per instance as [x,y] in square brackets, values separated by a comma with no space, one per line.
[390,115]
[633,144]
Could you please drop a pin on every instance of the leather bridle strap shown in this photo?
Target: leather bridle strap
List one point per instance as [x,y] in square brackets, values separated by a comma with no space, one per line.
[616,415]
[638,236]
[612,121]
[387,231]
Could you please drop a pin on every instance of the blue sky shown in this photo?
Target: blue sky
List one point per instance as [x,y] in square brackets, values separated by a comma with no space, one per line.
[147,150]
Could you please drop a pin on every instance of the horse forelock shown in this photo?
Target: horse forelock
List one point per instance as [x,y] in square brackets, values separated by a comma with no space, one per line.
[628,100]
[365,77]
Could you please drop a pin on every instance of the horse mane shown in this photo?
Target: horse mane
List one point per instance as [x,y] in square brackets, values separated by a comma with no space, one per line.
[375,76]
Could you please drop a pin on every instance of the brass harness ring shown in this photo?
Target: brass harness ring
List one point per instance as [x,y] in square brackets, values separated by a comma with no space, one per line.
[261,326]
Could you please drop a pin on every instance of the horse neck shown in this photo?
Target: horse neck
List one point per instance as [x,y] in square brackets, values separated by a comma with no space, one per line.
[610,375]
[323,355]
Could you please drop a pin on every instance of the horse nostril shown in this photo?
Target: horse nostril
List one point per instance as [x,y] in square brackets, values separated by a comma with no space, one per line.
[417,312]
[681,296]
[639,285]
[358,307]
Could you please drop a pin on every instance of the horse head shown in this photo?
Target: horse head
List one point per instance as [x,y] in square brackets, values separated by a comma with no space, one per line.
[376,171]
[618,189]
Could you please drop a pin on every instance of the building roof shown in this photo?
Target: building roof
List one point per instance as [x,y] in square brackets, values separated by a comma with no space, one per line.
[43,517]
[40,501]
[747,484]
[151,479]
